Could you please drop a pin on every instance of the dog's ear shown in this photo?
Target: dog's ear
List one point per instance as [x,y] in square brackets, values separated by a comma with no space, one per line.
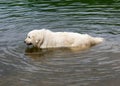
[38,38]
[36,41]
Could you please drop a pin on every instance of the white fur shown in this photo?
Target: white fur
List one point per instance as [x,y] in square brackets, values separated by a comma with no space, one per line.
[47,39]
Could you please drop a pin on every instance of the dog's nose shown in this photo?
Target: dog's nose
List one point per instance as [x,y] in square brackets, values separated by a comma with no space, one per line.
[24,41]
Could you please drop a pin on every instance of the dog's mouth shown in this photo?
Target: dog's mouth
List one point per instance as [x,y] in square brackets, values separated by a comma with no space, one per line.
[29,43]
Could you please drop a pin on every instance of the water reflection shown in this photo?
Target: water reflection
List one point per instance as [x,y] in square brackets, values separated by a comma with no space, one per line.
[37,54]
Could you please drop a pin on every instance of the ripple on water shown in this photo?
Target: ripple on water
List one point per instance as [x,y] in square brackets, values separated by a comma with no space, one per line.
[89,65]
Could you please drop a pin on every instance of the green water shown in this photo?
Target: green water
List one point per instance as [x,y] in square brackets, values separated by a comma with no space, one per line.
[24,66]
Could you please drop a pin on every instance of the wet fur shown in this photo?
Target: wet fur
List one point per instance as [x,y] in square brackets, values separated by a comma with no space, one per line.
[47,39]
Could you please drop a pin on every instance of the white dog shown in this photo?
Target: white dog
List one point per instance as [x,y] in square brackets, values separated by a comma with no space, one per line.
[47,39]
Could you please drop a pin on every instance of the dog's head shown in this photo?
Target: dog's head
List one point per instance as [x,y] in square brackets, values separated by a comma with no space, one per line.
[35,38]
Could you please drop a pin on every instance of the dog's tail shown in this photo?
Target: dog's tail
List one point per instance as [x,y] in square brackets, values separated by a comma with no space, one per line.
[98,40]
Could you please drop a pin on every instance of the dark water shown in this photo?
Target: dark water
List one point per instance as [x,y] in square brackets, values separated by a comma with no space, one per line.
[23,66]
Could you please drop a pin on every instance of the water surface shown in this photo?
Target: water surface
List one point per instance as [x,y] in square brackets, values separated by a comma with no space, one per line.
[25,66]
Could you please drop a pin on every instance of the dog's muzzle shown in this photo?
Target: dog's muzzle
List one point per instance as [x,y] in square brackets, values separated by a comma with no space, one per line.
[27,43]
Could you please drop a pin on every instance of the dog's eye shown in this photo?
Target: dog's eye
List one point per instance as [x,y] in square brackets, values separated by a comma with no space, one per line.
[28,36]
